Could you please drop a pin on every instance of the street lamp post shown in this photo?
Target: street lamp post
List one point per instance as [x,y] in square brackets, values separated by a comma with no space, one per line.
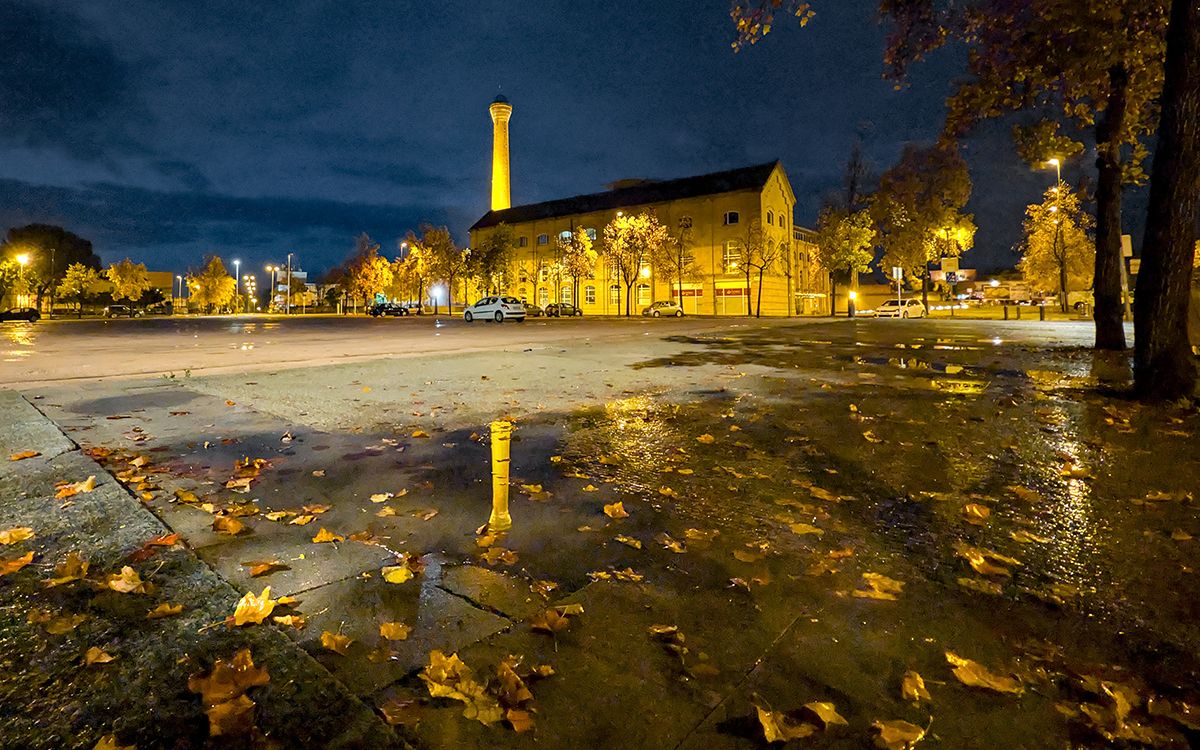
[53,286]
[179,294]
[274,289]
[288,294]
[237,281]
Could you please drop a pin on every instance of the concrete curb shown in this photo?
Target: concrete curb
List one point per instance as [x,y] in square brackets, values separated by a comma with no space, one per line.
[49,699]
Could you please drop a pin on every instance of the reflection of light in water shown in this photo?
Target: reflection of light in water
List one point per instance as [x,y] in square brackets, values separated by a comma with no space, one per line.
[1071,524]
[639,436]
[22,336]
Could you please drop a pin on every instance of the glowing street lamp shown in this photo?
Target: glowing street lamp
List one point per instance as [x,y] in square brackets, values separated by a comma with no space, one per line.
[22,259]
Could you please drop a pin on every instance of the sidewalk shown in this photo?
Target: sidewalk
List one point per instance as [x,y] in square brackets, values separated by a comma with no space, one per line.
[49,696]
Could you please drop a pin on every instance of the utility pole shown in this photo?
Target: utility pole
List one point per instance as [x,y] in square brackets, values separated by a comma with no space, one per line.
[288,293]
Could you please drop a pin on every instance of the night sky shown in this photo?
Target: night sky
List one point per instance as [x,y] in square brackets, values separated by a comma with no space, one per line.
[167,130]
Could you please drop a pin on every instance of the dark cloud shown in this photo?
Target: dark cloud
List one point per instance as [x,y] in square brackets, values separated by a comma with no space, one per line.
[63,88]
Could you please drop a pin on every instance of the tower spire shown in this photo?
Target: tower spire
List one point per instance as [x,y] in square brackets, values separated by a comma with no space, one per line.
[501,111]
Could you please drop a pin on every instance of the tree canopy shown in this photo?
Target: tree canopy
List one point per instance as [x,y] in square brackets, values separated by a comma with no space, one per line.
[1057,251]
[130,280]
[213,288]
[630,240]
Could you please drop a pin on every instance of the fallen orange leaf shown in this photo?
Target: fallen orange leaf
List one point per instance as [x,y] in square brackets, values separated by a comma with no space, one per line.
[336,642]
[24,455]
[325,535]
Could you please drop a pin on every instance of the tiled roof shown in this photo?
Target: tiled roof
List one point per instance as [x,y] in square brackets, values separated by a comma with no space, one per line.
[732,180]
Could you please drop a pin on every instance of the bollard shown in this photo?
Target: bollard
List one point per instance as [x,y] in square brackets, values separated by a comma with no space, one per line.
[1018,312]
[501,440]
[1005,312]
[1041,312]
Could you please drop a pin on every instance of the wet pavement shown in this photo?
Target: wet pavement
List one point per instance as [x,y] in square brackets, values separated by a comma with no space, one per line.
[814,510]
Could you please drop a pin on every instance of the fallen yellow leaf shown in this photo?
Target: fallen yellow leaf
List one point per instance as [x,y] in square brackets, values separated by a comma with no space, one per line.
[336,642]
[325,535]
[912,688]
[253,609]
[974,513]
[24,455]
[616,510]
[397,573]
[74,568]
[126,582]
[96,655]
[879,587]
[227,525]
[974,674]
[394,631]
[706,439]
[897,734]
[16,534]
[164,610]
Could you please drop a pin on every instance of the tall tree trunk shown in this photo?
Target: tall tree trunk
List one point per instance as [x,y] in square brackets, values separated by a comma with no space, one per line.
[925,288]
[758,302]
[1109,312]
[1163,366]
[832,296]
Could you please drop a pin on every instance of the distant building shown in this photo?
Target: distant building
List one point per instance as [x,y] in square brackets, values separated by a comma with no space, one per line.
[718,211]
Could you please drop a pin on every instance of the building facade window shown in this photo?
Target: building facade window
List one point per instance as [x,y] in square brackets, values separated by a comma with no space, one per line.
[565,295]
[731,256]
[591,233]
[522,242]
[771,218]
[543,239]
[589,294]
[543,296]
[782,222]
[732,217]
[564,235]
[614,295]
[522,274]
[521,294]
[643,294]
[685,222]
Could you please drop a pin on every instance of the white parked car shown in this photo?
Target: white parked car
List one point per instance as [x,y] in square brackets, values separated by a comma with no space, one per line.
[909,308]
[498,309]
[659,309]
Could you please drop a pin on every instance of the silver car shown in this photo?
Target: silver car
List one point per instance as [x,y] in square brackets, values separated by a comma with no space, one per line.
[498,309]
[664,308]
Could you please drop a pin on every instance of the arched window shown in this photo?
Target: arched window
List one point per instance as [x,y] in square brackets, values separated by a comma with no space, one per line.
[732,217]
[771,218]
[589,294]
[565,235]
[543,239]
[731,256]
[782,222]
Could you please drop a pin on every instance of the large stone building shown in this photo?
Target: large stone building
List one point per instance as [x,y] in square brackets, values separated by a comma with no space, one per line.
[721,214]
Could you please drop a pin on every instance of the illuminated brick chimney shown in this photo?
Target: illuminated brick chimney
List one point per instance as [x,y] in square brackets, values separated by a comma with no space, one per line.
[501,195]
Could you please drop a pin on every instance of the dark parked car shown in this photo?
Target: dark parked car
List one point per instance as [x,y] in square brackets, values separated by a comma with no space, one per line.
[533,311]
[121,311]
[27,314]
[562,310]
[387,308]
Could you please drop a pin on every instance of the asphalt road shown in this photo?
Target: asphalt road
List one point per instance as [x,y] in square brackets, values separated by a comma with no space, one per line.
[64,350]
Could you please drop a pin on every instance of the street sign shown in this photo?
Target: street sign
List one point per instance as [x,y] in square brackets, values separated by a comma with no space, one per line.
[949,264]
[951,277]
[1126,246]
[897,273]
[1134,265]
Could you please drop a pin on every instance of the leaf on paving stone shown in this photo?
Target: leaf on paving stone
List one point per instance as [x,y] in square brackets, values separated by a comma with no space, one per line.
[227,525]
[550,621]
[427,515]
[984,587]
[823,494]
[685,472]
[706,439]
[747,556]
[628,574]
[449,677]
[668,492]
[1158,496]
[167,540]
[531,489]
[164,610]
[876,586]
[600,575]
[420,434]
[233,717]
[381,497]
[302,520]
[186,496]
[543,588]
[126,582]
[394,631]
[241,510]
[64,624]
[74,568]
[779,726]
[897,734]
[16,534]
[229,679]
[241,484]
[72,489]
[386,511]
[1028,537]
[616,510]
[803,528]
[21,456]
[974,674]
[253,609]
[978,560]
[336,642]
[499,556]
[1072,470]
[397,573]
[825,713]
[912,688]
[319,473]
[520,719]
[591,488]
[974,513]
[701,535]
[109,742]
[290,621]
[316,509]
[401,713]
[1179,535]
[870,437]
[324,535]
[96,655]
[668,543]
[1027,495]
[628,541]
[263,567]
